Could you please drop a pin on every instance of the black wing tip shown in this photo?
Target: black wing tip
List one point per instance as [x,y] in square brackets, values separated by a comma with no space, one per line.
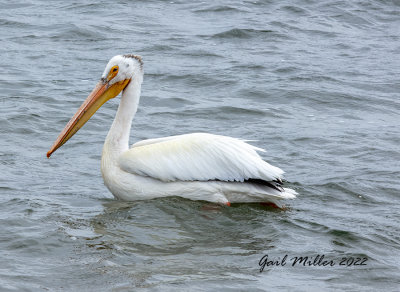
[275,184]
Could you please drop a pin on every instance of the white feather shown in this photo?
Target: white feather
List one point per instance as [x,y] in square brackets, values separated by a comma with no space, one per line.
[195,166]
[197,157]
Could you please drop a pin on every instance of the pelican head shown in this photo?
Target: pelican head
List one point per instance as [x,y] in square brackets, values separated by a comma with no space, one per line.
[119,71]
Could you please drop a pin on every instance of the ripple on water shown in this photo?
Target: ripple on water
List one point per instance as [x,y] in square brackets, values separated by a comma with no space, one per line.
[312,82]
[247,34]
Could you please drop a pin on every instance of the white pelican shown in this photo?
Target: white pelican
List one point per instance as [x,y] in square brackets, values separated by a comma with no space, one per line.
[196,166]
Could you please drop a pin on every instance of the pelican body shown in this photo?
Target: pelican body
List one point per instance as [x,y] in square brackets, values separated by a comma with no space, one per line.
[196,166]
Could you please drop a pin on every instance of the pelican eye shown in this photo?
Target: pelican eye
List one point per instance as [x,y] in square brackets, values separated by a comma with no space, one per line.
[113,72]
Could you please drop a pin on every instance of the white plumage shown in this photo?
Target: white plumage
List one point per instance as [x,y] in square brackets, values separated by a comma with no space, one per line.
[196,166]
[197,157]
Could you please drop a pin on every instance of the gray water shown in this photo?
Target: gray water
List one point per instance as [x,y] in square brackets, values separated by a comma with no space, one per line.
[316,83]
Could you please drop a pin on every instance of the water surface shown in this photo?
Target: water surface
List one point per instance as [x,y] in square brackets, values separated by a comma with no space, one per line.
[316,83]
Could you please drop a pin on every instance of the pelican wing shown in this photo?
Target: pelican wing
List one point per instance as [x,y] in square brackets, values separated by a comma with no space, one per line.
[197,157]
[156,140]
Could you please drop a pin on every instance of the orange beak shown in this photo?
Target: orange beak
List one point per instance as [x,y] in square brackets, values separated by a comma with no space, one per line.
[100,94]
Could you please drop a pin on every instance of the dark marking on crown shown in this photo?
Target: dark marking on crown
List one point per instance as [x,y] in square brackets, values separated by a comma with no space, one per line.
[138,58]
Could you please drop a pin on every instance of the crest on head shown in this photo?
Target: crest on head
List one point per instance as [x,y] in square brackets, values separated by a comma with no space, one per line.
[122,67]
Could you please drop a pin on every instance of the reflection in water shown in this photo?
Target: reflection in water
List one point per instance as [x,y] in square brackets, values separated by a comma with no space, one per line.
[175,236]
